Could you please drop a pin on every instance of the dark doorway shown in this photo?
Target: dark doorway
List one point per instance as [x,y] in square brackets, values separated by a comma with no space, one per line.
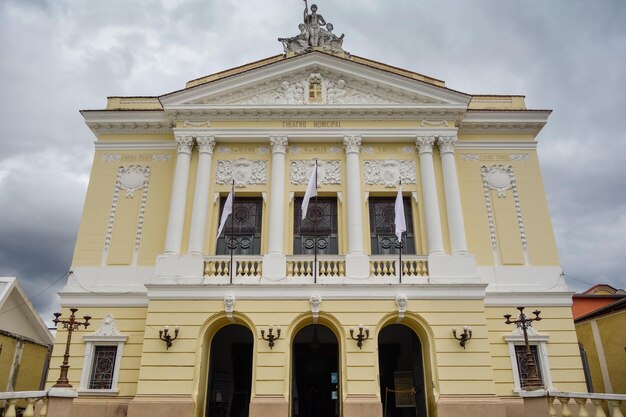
[401,369]
[230,372]
[315,378]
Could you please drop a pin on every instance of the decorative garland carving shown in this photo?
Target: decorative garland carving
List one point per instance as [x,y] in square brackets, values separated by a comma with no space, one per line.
[107,327]
[111,157]
[470,157]
[521,157]
[328,172]
[388,172]
[164,157]
[244,171]
[502,179]
[130,179]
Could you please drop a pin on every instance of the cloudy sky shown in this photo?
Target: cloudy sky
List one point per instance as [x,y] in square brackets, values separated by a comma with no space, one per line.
[60,56]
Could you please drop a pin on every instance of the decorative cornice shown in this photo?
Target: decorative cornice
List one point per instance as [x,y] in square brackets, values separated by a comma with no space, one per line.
[352,144]
[206,144]
[279,144]
[425,144]
[184,143]
[446,144]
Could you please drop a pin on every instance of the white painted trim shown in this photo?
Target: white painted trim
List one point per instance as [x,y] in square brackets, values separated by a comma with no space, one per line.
[86,299]
[327,292]
[530,298]
[539,340]
[112,146]
[597,340]
[91,341]
[505,145]
[316,61]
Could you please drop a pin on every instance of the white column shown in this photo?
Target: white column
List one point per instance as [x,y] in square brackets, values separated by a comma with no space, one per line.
[275,262]
[431,203]
[277,196]
[454,209]
[357,263]
[201,195]
[178,199]
[354,201]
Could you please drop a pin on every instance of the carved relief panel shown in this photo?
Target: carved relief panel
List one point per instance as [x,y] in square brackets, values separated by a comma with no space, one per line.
[243,171]
[328,172]
[389,172]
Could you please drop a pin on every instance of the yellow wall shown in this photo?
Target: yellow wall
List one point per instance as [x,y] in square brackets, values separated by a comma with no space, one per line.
[31,366]
[613,339]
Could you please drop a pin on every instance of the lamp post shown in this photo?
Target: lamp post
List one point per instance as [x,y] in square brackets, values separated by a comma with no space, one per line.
[523,323]
[71,325]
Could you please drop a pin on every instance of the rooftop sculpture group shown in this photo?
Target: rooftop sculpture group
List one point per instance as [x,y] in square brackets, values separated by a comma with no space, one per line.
[314,32]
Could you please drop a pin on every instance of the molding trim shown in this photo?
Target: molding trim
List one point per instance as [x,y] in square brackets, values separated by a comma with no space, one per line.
[531,298]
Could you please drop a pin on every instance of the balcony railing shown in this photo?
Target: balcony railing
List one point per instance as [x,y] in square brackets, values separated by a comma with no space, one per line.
[245,266]
[387,266]
[567,404]
[328,266]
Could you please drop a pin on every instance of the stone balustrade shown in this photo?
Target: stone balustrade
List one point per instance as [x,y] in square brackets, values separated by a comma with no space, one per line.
[245,266]
[36,403]
[579,404]
[328,266]
[387,266]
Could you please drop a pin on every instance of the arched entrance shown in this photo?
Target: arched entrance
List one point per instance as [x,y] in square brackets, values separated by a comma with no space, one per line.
[315,379]
[401,365]
[230,372]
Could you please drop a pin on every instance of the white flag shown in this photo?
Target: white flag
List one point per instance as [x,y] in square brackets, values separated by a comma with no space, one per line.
[311,191]
[400,220]
[228,209]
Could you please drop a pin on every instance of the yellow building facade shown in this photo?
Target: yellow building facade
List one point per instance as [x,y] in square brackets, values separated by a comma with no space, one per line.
[478,243]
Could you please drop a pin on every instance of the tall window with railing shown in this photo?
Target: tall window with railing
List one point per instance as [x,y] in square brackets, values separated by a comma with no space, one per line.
[383,228]
[242,232]
[320,223]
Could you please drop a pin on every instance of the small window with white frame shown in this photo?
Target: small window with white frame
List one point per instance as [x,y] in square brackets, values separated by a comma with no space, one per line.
[517,351]
[103,356]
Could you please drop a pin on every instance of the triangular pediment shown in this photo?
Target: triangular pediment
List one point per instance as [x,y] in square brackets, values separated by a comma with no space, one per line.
[315,79]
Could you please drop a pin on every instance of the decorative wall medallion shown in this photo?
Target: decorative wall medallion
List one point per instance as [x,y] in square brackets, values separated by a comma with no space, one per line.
[107,327]
[521,157]
[295,149]
[243,171]
[497,178]
[263,149]
[133,178]
[389,172]
[407,149]
[162,157]
[229,305]
[111,157]
[470,157]
[368,149]
[328,172]
[402,303]
[316,302]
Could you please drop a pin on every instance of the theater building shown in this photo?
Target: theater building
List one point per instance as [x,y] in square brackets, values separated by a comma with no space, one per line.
[479,243]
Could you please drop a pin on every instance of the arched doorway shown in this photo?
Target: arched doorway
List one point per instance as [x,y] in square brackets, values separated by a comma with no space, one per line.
[230,372]
[401,366]
[315,379]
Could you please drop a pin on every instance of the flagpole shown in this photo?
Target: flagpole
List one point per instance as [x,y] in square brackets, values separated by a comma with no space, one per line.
[315,232]
[232,233]
[400,256]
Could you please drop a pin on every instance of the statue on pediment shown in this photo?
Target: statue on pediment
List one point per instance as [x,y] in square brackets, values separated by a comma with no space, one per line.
[314,32]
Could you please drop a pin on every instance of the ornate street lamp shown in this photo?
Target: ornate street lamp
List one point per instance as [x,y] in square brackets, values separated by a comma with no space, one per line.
[71,325]
[523,323]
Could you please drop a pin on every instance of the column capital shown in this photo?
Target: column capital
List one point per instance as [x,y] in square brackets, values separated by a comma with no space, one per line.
[424,144]
[352,144]
[206,143]
[279,144]
[446,143]
[184,143]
